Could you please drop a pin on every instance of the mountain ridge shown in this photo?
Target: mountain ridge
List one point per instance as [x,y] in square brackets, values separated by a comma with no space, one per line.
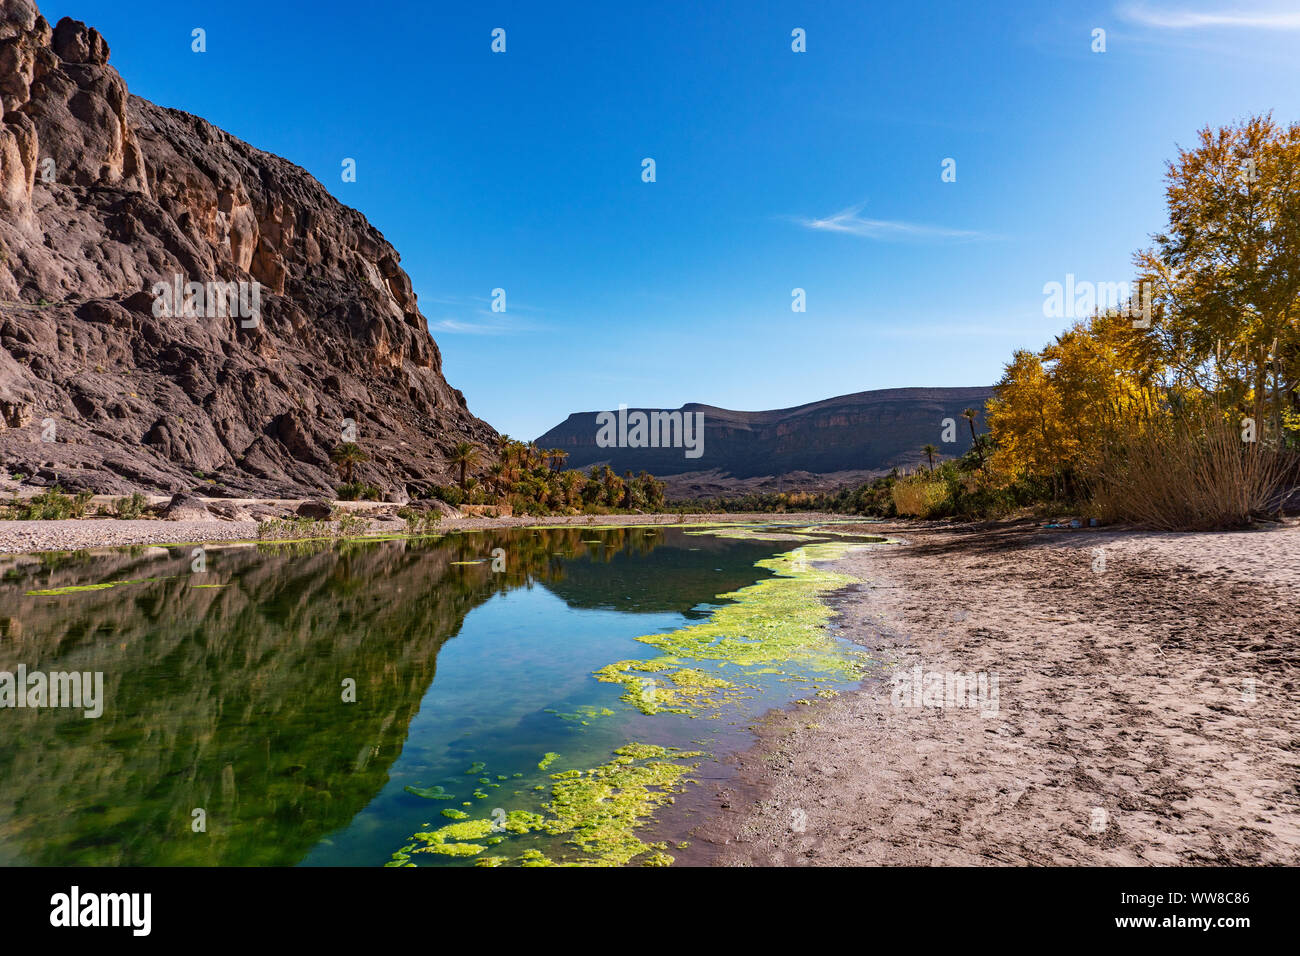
[861,432]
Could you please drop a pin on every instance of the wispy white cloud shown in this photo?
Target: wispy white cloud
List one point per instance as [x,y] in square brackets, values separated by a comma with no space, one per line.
[481,323]
[1184,18]
[851,222]
[473,315]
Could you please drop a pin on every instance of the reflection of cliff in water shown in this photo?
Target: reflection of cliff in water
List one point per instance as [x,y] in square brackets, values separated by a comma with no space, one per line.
[226,698]
[665,572]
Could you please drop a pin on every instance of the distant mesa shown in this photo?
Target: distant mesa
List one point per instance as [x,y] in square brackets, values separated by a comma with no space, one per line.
[822,444]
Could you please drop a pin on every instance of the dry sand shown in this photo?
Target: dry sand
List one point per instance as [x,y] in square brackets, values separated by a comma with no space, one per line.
[1127,731]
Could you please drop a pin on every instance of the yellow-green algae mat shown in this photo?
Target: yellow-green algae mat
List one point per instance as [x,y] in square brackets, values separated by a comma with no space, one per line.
[772,627]
[599,811]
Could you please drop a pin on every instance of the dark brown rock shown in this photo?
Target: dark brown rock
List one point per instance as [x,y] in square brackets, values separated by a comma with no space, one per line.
[185,507]
[138,194]
[229,512]
[319,510]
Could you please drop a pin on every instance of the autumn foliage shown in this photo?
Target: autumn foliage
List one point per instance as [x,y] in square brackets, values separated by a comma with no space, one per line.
[1166,408]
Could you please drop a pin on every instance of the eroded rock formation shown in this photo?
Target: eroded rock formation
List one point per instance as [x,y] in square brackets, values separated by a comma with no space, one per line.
[105,199]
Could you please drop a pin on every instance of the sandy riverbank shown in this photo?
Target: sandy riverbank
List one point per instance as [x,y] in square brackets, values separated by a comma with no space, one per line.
[77,534]
[1126,730]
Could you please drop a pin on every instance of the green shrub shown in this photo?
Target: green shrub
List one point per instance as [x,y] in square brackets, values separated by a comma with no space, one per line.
[52,505]
[358,491]
[341,524]
[450,494]
[420,521]
[348,525]
[131,507]
[290,528]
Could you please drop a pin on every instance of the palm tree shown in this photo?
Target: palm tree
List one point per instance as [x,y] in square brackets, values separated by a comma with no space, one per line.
[611,482]
[498,472]
[345,456]
[514,456]
[970,414]
[557,456]
[569,480]
[930,451]
[465,455]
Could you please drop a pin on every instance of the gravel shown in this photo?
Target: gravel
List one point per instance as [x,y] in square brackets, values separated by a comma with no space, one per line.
[75,534]
[72,534]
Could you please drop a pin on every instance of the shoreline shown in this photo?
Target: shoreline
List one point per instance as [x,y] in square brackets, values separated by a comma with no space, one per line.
[1128,730]
[79,534]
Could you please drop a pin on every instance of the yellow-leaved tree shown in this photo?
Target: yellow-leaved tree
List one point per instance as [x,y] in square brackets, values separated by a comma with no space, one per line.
[1226,272]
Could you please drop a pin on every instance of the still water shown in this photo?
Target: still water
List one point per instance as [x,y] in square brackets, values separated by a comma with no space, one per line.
[317,703]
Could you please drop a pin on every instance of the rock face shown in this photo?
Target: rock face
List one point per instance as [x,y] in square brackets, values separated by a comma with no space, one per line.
[863,432]
[109,205]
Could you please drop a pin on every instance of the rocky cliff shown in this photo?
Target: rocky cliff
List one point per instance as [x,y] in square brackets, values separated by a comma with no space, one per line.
[182,311]
[860,433]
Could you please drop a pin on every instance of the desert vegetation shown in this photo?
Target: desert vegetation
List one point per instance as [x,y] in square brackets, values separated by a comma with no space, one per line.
[531,481]
[54,503]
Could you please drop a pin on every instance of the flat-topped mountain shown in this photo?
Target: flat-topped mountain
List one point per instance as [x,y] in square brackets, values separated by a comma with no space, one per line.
[181,310]
[863,432]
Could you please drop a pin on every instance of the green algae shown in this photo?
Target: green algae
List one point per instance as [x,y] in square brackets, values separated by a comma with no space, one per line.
[430,793]
[776,626]
[455,814]
[78,588]
[598,811]
[755,534]
[681,691]
[584,715]
[547,759]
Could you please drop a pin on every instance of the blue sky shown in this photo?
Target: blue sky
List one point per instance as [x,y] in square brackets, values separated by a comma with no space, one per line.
[775,170]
